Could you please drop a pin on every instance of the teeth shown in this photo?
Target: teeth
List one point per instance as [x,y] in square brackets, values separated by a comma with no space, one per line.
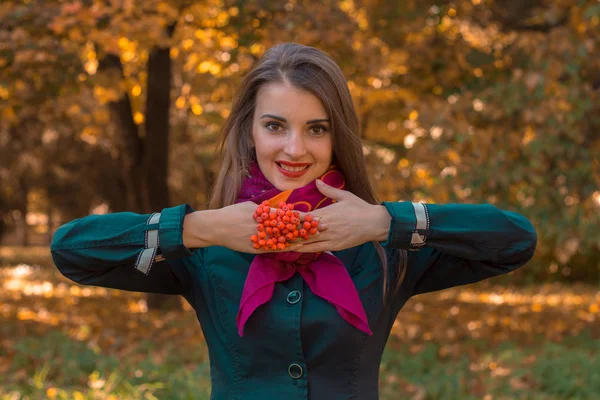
[293,169]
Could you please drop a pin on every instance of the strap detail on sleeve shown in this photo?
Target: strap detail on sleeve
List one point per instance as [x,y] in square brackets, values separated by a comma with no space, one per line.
[417,239]
[151,243]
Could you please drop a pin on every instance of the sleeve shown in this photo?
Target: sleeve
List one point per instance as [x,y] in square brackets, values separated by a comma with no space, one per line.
[128,251]
[456,244]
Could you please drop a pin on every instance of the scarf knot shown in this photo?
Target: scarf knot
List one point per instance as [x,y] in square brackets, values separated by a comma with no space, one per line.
[325,274]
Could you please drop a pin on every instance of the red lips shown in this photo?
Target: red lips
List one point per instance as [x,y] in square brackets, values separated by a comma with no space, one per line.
[291,164]
[291,174]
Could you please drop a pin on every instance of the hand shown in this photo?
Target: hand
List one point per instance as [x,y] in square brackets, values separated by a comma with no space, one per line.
[349,222]
[233,225]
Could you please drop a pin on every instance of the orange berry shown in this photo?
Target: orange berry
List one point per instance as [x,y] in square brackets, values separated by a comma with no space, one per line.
[285,219]
[281,204]
[264,216]
[302,232]
[312,231]
[295,233]
[273,223]
[308,217]
[289,213]
[280,246]
[259,210]
[272,215]
[295,221]
[256,246]
[260,227]
[285,232]
[269,230]
[262,242]
[275,231]
[289,236]
[314,224]
[270,242]
[289,227]
[280,225]
[254,238]
[281,239]
[262,235]
[306,225]
[296,214]
[259,220]
[280,212]
[290,206]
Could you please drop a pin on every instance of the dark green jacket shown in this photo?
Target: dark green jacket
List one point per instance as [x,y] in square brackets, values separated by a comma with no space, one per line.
[296,346]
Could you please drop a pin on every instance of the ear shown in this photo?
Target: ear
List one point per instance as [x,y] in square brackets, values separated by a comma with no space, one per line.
[331,192]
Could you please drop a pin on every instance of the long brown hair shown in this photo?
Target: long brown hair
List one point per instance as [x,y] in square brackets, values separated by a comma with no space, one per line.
[313,70]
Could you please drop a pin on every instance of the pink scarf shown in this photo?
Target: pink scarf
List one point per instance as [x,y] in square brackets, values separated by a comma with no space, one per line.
[324,273]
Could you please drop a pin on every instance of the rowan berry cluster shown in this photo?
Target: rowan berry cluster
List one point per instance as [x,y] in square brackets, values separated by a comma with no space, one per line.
[277,228]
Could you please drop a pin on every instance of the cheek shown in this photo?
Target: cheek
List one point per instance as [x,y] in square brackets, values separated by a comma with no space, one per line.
[327,151]
[264,147]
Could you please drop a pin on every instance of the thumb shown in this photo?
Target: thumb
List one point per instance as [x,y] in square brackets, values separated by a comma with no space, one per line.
[330,191]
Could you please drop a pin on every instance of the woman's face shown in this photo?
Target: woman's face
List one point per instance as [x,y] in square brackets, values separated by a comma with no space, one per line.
[292,136]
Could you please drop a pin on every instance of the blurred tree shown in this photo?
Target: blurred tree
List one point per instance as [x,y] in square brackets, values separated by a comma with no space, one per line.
[465,100]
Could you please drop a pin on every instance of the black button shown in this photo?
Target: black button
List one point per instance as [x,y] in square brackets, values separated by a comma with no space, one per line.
[294,296]
[295,371]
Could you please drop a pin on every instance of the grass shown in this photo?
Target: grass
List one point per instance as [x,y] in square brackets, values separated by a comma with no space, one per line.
[63,341]
[69,369]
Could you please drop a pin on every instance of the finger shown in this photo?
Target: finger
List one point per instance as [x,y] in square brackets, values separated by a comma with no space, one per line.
[331,192]
[295,247]
[292,247]
[315,247]
[311,239]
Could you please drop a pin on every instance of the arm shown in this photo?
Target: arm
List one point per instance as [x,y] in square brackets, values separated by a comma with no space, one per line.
[129,251]
[457,244]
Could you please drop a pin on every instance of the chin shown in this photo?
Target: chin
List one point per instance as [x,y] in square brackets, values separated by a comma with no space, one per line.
[288,185]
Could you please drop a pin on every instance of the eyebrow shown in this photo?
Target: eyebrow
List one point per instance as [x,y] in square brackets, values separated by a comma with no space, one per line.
[312,121]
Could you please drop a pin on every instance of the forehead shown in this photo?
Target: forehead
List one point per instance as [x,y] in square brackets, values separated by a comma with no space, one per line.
[290,102]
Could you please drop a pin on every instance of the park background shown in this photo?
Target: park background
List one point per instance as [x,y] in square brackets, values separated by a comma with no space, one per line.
[115,105]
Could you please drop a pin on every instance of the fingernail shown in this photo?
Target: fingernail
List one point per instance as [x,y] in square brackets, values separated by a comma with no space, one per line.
[319,182]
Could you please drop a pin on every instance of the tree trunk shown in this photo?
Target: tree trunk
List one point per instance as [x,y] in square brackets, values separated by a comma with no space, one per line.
[143,154]
[156,147]
[22,233]
[364,123]
[50,224]
[156,143]
[130,149]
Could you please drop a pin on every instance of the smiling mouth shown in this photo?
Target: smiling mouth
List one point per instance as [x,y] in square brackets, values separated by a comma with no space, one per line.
[292,169]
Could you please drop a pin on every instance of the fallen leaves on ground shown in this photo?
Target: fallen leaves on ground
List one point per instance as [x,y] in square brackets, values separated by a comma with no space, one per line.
[37,299]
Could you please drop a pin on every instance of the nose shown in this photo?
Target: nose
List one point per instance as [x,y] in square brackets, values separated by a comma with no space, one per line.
[295,147]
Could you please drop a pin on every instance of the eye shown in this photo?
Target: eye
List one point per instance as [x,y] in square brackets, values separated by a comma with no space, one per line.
[273,126]
[318,130]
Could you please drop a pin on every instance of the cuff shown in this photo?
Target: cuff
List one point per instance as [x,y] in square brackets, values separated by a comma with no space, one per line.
[170,232]
[409,227]
[163,233]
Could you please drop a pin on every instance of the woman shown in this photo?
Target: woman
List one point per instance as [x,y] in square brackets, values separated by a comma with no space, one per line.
[312,320]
